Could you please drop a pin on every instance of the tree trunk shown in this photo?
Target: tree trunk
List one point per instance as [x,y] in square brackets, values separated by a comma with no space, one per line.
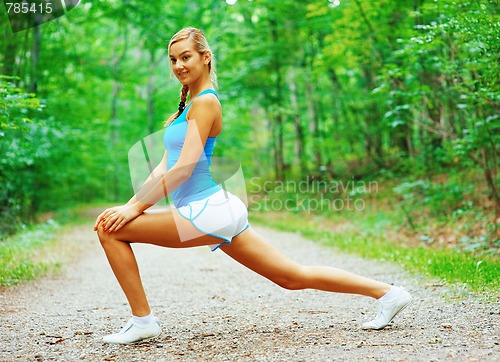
[337,99]
[114,125]
[35,55]
[114,122]
[279,161]
[371,31]
[151,92]
[9,58]
[299,146]
[435,116]
[372,120]
[278,119]
[490,175]
[313,125]
[409,142]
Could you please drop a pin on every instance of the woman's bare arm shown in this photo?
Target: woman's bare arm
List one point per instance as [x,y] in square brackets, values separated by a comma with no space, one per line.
[157,187]
[159,171]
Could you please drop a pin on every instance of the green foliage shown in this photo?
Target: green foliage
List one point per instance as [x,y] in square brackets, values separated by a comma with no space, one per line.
[15,106]
[19,153]
[440,200]
[444,83]
[451,204]
[33,153]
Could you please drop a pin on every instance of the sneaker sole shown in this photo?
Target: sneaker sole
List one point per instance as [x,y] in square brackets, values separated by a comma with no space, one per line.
[136,342]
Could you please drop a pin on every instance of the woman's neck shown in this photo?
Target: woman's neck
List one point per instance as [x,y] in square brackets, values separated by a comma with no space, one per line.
[198,87]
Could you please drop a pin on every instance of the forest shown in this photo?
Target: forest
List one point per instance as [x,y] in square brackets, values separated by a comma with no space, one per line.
[322,92]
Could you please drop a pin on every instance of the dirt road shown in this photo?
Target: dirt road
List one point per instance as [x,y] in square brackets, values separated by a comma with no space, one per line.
[213,309]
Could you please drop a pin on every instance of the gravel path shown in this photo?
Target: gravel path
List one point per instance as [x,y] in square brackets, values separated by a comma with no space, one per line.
[213,309]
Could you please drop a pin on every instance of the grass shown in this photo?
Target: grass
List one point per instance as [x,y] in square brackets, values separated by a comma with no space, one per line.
[371,235]
[31,253]
[18,254]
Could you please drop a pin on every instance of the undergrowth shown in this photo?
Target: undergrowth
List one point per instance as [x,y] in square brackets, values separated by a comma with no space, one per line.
[28,254]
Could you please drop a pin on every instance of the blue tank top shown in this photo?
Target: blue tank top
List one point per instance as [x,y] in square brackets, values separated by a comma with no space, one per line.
[200,184]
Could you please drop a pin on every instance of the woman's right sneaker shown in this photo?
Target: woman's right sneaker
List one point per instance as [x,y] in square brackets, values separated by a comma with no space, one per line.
[388,310]
[133,333]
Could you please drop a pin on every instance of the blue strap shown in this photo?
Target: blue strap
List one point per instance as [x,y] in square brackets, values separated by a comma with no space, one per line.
[208,91]
[190,103]
[200,94]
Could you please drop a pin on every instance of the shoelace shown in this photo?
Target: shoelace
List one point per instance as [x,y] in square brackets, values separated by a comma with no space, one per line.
[126,328]
[380,309]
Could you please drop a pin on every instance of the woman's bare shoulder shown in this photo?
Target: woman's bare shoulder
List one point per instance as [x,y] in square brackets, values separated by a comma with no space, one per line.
[206,102]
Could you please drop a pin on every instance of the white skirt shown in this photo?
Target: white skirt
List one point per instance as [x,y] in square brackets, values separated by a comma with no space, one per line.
[222,215]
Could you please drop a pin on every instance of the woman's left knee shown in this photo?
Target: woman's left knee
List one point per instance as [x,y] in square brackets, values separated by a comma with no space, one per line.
[295,280]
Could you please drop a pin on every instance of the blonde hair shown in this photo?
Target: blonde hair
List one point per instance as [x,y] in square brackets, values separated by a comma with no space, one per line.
[200,45]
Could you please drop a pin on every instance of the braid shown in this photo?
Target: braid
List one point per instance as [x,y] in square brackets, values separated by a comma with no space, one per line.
[213,74]
[182,105]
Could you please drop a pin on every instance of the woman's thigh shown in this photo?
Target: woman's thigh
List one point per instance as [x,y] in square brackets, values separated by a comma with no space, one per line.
[253,251]
[164,228]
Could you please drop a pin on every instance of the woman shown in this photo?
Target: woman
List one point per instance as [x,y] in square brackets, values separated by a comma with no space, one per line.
[205,214]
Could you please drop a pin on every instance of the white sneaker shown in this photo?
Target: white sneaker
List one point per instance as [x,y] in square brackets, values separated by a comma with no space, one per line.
[387,311]
[132,333]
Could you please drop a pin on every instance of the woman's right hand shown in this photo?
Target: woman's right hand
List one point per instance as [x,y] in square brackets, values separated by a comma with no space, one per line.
[114,218]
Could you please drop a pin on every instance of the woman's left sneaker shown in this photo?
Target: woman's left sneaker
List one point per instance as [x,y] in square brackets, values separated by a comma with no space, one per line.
[132,333]
[388,310]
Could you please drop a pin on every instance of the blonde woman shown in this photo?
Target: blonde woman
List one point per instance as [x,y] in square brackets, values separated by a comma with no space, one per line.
[204,213]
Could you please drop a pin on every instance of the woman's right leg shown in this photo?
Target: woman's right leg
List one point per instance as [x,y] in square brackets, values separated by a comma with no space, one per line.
[162,228]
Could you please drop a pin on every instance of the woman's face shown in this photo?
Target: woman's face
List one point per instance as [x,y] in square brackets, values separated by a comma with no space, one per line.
[187,64]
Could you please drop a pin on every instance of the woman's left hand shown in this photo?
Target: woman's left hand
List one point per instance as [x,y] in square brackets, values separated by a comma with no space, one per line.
[114,218]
